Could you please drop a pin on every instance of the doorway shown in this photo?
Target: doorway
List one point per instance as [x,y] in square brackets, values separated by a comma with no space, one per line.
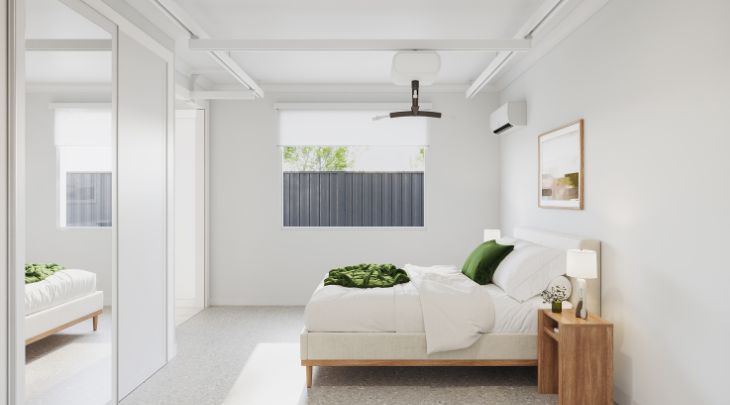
[190,240]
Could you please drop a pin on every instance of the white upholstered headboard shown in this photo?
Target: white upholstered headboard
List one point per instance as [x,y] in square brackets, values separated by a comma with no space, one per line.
[565,242]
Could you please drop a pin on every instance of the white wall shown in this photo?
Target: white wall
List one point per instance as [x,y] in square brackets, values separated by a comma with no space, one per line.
[86,249]
[651,80]
[254,262]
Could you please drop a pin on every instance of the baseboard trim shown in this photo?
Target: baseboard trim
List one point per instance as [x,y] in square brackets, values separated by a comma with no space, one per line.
[622,398]
[257,301]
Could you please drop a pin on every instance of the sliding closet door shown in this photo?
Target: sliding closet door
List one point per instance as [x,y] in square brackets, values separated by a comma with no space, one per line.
[142,212]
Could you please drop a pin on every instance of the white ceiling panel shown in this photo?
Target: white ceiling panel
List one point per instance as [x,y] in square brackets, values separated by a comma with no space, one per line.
[373,19]
[51,19]
[68,67]
[340,19]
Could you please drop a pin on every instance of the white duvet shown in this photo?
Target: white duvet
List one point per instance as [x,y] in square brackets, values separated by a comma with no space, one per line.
[455,309]
[441,301]
[61,287]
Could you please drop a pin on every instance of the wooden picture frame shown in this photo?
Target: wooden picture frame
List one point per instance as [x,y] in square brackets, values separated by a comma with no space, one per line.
[560,176]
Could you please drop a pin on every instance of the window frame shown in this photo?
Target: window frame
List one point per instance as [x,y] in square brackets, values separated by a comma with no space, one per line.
[61,196]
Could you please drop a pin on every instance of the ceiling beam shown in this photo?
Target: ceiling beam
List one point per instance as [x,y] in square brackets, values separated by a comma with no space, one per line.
[182,93]
[68,88]
[68,44]
[354,88]
[175,13]
[543,14]
[222,95]
[514,45]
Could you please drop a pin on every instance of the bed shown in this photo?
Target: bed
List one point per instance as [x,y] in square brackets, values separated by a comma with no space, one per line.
[351,339]
[60,301]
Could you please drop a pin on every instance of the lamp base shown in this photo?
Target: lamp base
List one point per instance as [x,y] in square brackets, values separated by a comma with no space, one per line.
[581,311]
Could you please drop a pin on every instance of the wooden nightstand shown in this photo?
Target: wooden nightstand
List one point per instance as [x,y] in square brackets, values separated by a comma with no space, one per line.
[577,362]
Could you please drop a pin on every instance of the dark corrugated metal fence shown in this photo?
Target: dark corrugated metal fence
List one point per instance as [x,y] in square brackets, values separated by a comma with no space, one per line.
[353,199]
[88,199]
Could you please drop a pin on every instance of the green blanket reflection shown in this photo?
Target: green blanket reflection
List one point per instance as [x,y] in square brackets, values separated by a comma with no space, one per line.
[35,272]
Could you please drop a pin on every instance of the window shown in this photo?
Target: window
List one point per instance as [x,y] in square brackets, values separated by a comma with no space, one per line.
[83,147]
[342,169]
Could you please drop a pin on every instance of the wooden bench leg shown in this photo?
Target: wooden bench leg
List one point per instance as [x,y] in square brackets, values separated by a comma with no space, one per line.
[309,376]
[96,321]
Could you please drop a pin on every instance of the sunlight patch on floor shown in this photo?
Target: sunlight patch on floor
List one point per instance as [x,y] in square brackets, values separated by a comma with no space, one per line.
[273,374]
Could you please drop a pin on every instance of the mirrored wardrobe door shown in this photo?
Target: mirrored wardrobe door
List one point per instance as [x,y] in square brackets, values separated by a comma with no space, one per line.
[70,204]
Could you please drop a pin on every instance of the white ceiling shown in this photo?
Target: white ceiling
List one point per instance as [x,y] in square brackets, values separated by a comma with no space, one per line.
[371,19]
[350,67]
[290,19]
[51,19]
[339,19]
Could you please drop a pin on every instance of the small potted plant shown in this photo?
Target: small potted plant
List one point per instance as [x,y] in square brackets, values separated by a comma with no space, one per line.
[556,296]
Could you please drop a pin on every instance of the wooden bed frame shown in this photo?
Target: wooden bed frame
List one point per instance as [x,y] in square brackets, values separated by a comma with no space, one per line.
[412,363]
[51,320]
[356,350]
[94,315]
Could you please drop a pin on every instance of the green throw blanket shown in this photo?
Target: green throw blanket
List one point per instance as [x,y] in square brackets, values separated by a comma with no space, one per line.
[35,272]
[367,276]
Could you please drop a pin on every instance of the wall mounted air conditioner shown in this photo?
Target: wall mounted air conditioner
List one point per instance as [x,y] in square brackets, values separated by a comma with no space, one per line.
[508,118]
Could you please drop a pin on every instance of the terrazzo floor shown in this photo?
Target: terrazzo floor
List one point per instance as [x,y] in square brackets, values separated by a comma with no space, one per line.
[71,367]
[250,355]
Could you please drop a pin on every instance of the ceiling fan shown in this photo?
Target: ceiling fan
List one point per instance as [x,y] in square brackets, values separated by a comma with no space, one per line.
[415,112]
[415,67]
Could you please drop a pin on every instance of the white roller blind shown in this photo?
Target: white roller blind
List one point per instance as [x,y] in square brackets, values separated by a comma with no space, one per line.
[83,127]
[349,128]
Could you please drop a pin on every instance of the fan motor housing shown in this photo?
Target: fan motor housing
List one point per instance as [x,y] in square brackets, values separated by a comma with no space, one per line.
[415,65]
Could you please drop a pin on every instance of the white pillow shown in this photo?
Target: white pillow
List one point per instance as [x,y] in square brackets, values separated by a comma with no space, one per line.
[528,269]
[565,282]
[509,240]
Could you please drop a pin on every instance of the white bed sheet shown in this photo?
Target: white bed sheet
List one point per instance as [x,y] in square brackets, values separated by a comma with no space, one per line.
[63,286]
[342,309]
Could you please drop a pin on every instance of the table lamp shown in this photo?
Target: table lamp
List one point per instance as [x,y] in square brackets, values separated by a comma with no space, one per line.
[492,234]
[582,264]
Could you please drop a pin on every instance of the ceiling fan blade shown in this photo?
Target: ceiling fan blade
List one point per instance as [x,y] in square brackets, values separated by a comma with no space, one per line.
[430,114]
[415,110]
[401,114]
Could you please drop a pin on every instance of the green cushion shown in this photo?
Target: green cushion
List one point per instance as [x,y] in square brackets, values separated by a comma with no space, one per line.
[483,261]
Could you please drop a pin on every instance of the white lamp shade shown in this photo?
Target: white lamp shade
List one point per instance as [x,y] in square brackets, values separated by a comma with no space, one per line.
[492,234]
[582,263]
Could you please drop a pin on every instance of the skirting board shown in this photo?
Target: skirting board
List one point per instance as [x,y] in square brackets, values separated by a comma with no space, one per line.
[621,398]
[258,302]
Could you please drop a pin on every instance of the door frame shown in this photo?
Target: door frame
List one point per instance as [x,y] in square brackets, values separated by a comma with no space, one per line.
[204,106]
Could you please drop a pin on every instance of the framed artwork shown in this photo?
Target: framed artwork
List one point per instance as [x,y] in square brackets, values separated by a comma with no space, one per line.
[560,168]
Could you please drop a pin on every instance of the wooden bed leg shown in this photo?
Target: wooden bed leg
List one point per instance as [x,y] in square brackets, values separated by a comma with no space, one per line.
[96,321]
[309,376]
